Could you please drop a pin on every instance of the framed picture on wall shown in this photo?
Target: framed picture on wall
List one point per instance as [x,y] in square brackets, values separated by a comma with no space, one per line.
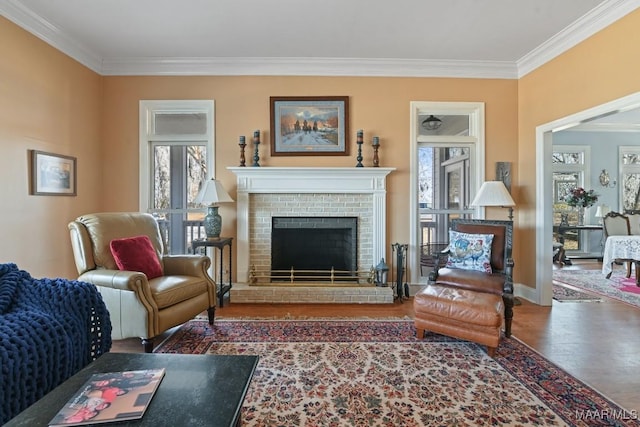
[52,174]
[309,125]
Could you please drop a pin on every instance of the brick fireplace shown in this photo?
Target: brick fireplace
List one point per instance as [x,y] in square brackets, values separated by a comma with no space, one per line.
[267,192]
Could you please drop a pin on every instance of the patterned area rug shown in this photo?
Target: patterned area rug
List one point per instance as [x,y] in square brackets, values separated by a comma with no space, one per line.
[377,373]
[618,287]
[565,294]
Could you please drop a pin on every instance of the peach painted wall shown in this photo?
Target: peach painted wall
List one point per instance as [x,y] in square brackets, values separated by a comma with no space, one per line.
[603,68]
[379,106]
[48,102]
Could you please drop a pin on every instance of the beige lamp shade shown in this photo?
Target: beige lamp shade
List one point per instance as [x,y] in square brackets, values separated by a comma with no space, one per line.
[602,211]
[212,193]
[493,193]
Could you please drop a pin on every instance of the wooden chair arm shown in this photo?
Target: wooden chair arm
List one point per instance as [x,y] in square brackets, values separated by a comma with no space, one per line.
[508,272]
[433,275]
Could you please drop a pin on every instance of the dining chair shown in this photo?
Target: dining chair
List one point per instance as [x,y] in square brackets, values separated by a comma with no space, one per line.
[634,221]
[617,224]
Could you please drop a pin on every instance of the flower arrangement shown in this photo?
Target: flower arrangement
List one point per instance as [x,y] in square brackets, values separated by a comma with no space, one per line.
[579,197]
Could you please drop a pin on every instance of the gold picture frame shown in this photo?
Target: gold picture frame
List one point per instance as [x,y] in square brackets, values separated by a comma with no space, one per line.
[309,125]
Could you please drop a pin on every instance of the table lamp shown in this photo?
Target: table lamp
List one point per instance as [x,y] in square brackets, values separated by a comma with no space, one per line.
[212,193]
[601,212]
[494,193]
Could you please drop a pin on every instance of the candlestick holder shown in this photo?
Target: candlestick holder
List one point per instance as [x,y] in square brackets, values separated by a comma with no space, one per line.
[256,142]
[376,145]
[242,144]
[359,142]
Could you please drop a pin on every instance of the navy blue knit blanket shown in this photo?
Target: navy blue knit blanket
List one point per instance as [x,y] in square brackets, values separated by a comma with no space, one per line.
[49,330]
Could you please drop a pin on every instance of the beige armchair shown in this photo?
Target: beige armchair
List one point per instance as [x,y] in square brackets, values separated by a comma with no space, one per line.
[140,307]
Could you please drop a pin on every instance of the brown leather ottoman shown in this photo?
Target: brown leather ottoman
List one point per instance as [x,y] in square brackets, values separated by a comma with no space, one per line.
[460,313]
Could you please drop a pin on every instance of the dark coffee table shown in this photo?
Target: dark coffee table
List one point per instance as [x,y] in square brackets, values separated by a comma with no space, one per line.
[197,390]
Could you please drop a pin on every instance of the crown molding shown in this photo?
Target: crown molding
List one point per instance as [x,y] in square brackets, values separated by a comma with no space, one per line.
[603,15]
[600,17]
[24,17]
[366,67]
[605,127]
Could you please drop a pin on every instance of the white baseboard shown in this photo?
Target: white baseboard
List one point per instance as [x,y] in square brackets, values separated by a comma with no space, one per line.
[522,291]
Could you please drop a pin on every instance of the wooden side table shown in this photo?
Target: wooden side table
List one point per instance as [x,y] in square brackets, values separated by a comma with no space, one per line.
[219,243]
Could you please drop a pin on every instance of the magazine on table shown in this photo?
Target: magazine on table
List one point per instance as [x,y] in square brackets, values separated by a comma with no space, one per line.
[110,396]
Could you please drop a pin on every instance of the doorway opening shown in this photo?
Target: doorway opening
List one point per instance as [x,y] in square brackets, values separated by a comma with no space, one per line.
[543,293]
[447,168]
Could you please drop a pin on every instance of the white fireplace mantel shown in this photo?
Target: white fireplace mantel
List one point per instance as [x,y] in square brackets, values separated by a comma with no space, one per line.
[321,180]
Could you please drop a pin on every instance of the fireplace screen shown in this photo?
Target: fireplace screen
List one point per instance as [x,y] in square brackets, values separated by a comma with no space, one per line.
[314,246]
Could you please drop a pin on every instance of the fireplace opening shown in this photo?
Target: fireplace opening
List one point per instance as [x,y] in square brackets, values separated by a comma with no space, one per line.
[313,246]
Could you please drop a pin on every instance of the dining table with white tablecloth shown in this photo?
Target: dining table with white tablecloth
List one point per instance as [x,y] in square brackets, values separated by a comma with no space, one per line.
[623,248]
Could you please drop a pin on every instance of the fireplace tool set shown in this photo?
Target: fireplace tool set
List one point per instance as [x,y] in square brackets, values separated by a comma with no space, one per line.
[402,289]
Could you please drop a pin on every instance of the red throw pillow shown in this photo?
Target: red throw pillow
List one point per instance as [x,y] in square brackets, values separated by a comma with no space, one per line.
[136,254]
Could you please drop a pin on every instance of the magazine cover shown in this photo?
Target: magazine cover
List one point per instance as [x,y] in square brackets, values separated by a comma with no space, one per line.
[110,396]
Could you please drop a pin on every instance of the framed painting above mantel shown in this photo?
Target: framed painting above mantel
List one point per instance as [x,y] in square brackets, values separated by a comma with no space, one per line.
[309,125]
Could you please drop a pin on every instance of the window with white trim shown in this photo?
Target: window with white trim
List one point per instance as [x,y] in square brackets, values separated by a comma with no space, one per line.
[446,169]
[176,157]
[629,164]
[570,166]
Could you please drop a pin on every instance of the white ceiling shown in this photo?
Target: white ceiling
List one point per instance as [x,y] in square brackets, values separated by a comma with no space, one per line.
[455,38]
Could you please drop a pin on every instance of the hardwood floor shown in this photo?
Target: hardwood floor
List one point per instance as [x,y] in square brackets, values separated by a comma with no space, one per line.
[598,343]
